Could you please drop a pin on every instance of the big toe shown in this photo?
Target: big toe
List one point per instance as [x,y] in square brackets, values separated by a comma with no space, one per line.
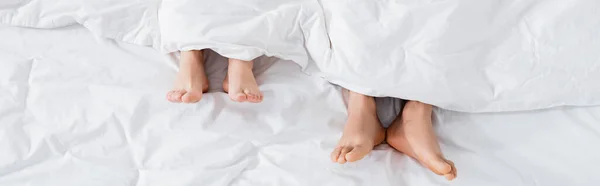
[238,97]
[191,97]
[439,165]
[452,174]
[358,153]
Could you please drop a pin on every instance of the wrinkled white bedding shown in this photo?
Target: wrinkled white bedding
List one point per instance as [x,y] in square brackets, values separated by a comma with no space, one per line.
[131,21]
[80,111]
[465,55]
[468,55]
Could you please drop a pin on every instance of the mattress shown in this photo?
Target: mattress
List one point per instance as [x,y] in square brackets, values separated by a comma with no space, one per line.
[81,110]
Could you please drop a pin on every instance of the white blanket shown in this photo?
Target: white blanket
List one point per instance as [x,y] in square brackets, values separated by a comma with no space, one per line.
[125,20]
[80,111]
[468,55]
[465,55]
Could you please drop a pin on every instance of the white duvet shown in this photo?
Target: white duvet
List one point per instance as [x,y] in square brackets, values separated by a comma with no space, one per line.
[81,111]
[465,55]
[75,111]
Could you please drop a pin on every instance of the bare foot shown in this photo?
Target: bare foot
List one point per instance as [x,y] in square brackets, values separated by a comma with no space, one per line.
[240,83]
[191,79]
[362,132]
[413,135]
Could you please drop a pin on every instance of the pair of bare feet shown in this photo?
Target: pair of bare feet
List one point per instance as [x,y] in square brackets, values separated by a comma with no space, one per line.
[192,82]
[411,133]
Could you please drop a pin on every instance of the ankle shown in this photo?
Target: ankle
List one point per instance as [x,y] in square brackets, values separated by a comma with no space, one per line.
[241,63]
[418,108]
[361,103]
[189,58]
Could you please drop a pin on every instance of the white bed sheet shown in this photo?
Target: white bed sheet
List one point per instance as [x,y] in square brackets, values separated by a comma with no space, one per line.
[80,111]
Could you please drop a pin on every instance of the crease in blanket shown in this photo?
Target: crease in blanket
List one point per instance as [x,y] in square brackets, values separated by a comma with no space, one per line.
[129,21]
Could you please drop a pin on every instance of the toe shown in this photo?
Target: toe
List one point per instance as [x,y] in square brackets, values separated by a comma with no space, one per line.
[452,174]
[238,97]
[175,96]
[259,97]
[169,95]
[335,154]
[191,97]
[342,158]
[357,153]
[251,98]
[449,177]
[439,166]
[255,99]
